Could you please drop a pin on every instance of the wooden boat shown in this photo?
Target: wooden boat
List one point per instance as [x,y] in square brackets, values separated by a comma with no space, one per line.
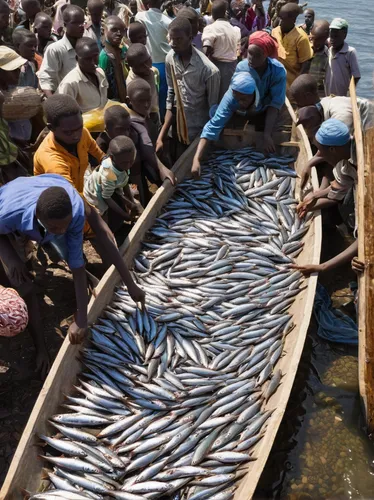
[365,197]
[26,467]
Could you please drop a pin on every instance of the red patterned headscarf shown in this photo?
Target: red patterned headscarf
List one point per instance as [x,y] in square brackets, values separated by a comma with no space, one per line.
[266,42]
[13,313]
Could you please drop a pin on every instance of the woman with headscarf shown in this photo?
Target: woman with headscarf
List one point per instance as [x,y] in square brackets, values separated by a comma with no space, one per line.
[242,95]
[270,78]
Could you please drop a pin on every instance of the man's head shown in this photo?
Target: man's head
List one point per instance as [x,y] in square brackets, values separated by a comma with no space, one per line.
[137,33]
[338,32]
[139,95]
[192,16]
[319,34]
[122,152]
[54,210]
[139,60]
[237,9]
[180,34]
[133,7]
[244,89]
[288,15]
[73,17]
[10,67]
[333,141]
[115,30]
[310,118]
[304,91]
[87,54]
[31,8]
[309,15]
[219,9]
[25,43]
[43,25]
[261,46]
[64,118]
[95,9]
[117,121]
[4,15]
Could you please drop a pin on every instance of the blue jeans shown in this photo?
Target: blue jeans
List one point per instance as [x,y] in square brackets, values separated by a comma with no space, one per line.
[163,89]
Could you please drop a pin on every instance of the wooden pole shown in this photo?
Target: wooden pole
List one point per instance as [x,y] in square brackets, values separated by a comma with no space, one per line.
[365,215]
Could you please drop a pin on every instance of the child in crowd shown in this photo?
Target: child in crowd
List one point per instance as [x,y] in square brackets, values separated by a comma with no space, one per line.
[134,10]
[191,92]
[112,58]
[343,62]
[25,44]
[31,8]
[137,33]
[93,29]
[59,57]
[43,32]
[221,43]
[318,67]
[256,19]
[108,185]
[65,149]
[294,50]
[191,14]
[141,68]
[309,16]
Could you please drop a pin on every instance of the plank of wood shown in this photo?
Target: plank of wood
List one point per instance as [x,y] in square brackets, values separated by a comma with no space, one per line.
[365,198]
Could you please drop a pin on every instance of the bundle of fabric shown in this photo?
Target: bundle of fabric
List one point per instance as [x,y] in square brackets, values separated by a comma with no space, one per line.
[13,313]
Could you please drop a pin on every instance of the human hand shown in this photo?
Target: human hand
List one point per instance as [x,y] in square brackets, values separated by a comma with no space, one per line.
[308,269]
[159,146]
[196,169]
[165,173]
[357,266]
[136,293]
[306,205]
[42,362]
[76,333]
[305,174]
[268,145]
[16,272]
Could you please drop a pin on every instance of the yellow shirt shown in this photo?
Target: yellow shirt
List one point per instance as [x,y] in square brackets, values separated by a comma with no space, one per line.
[293,50]
[52,158]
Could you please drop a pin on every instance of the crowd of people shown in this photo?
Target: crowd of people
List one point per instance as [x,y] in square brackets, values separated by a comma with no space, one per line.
[161,75]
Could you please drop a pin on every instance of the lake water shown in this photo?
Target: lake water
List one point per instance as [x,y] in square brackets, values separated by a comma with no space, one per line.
[359,14]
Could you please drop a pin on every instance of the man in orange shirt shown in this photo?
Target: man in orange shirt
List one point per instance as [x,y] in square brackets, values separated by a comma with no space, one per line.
[294,49]
[66,148]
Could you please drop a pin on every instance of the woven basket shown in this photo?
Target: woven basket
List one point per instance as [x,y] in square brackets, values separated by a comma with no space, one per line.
[21,103]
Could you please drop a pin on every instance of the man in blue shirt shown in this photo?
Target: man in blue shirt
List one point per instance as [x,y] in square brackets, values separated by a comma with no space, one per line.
[265,81]
[47,208]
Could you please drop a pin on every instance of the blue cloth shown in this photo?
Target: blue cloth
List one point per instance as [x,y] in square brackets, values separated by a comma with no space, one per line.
[18,201]
[163,90]
[333,132]
[243,83]
[228,106]
[333,325]
[272,84]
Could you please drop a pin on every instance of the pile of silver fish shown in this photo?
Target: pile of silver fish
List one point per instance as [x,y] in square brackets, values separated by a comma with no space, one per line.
[171,399]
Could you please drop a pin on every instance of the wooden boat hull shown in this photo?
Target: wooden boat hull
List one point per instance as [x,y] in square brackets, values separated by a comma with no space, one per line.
[26,467]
